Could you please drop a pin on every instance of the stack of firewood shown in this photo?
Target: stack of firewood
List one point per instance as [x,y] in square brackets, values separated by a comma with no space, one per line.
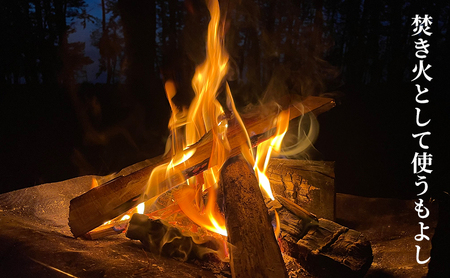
[304,203]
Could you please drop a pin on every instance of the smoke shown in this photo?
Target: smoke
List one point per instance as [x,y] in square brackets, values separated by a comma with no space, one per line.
[279,48]
[301,136]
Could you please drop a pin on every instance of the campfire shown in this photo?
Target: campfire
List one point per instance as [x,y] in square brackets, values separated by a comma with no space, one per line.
[233,194]
[211,192]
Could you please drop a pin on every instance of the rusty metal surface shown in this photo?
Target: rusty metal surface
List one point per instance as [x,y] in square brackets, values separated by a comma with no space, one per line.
[35,240]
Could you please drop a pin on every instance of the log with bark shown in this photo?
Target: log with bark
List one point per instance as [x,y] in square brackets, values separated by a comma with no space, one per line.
[331,250]
[254,251]
[117,196]
[323,247]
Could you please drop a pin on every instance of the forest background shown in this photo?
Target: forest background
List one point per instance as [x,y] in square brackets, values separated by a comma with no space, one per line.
[82,82]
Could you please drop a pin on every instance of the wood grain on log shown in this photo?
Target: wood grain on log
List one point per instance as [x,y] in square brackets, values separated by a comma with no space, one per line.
[324,248]
[254,251]
[117,196]
[330,250]
[309,184]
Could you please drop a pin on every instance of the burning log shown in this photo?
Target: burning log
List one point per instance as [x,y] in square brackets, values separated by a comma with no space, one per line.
[318,244]
[254,251]
[107,230]
[309,184]
[117,196]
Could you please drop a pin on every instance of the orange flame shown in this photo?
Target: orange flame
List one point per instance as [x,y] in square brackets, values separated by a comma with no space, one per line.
[94,183]
[205,114]
[265,150]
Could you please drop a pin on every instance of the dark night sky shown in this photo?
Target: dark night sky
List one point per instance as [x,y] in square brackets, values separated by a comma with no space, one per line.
[368,134]
[83,35]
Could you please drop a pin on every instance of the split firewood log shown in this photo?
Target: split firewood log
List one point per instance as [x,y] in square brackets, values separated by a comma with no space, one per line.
[254,251]
[309,184]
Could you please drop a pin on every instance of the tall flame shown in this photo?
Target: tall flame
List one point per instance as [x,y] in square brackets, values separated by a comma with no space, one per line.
[205,109]
[205,114]
[267,148]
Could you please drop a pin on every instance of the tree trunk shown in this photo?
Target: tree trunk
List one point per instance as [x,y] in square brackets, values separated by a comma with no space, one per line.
[142,82]
[105,35]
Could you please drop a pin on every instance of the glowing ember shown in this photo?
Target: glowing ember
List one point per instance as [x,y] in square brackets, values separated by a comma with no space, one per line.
[140,208]
[94,183]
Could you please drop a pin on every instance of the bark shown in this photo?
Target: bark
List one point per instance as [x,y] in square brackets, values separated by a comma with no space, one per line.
[332,250]
[324,248]
[254,251]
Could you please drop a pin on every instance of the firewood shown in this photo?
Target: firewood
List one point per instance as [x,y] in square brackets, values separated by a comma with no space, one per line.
[117,196]
[294,221]
[324,248]
[114,228]
[330,250]
[309,184]
[254,251]
[296,209]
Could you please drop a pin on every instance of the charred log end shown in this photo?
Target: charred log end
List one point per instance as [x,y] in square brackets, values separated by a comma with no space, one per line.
[331,250]
[254,251]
